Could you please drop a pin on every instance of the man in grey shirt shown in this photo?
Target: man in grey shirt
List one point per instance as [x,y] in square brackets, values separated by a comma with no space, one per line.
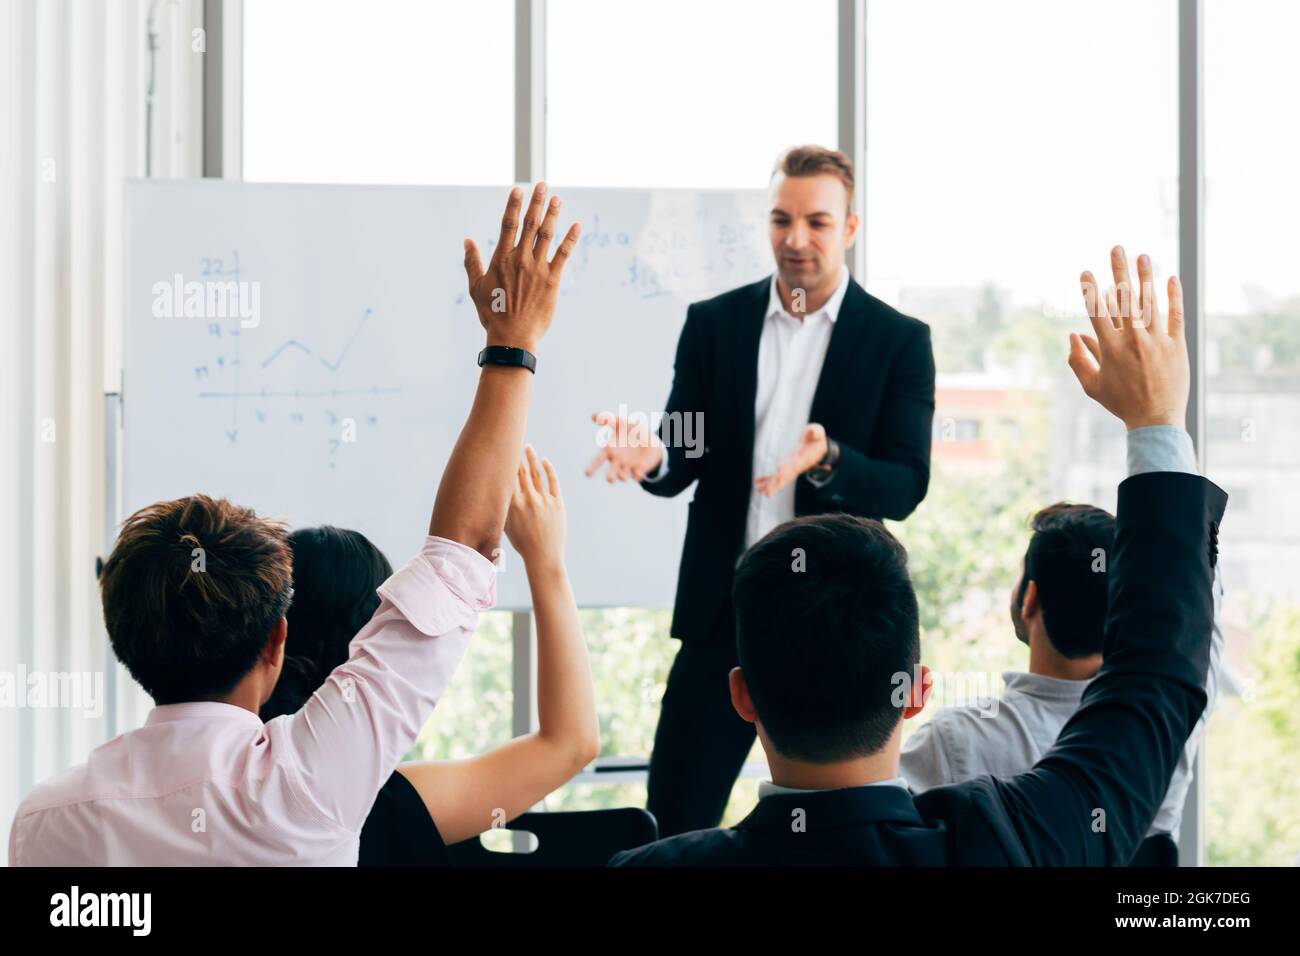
[1058,609]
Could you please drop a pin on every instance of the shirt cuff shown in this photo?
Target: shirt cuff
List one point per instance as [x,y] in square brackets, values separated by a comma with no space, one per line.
[443,587]
[659,473]
[1160,448]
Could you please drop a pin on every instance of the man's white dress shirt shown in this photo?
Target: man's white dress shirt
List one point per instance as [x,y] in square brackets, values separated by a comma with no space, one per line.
[791,352]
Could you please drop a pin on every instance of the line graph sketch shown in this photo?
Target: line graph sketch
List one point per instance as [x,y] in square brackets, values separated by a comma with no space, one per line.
[275,392]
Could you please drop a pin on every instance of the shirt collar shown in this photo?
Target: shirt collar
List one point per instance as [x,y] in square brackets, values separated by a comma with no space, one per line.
[1044,687]
[831,308]
[201,710]
[829,810]
[766,788]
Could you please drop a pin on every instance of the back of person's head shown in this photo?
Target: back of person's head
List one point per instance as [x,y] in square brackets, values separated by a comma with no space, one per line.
[826,622]
[335,576]
[1067,559]
[191,593]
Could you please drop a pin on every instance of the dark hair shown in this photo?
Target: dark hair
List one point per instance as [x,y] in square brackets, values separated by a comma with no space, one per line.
[826,620]
[190,594]
[335,574]
[1063,561]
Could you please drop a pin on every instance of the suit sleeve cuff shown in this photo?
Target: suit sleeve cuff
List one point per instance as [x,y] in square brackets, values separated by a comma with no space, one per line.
[659,473]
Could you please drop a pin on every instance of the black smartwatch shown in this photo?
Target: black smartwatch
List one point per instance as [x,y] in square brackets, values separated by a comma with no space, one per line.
[821,473]
[509,356]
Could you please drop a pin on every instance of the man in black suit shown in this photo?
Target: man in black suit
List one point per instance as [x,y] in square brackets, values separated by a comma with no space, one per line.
[830,665]
[813,397]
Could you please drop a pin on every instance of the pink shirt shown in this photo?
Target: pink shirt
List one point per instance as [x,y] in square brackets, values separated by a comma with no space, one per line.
[206,783]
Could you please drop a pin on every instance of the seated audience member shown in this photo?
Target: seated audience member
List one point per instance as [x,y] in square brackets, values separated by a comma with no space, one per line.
[195,595]
[829,652]
[1058,609]
[335,577]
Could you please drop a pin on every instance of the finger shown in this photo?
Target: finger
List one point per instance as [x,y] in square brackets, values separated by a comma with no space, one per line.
[1081,365]
[565,250]
[473,262]
[510,221]
[1123,284]
[1093,347]
[1111,301]
[1095,304]
[608,420]
[1176,325]
[546,231]
[533,218]
[534,470]
[1146,292]
[521,477]
[602,455]
[552,479]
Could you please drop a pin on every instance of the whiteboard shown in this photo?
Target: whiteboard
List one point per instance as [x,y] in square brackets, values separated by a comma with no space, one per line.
[342,403]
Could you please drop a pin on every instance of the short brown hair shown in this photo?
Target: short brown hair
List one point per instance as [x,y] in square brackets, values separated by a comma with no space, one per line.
[817,161]
[191,592]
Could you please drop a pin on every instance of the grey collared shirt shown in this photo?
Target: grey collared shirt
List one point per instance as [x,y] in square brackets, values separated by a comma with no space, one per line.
[1008,735]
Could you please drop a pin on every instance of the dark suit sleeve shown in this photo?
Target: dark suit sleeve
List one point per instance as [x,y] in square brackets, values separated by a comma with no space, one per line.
[686,398]
[890,478]
[1093,796]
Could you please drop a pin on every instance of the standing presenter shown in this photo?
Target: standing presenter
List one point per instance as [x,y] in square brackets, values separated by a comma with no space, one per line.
[814,397]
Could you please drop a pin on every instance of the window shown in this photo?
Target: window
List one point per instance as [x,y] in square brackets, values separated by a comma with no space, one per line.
[682,93]
[1252,292]
[984,201]
[387,91]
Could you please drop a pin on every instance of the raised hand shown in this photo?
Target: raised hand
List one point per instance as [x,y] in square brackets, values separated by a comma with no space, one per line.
[630,449]
[810,450]
[535,522]
[515,295]
[1136,367]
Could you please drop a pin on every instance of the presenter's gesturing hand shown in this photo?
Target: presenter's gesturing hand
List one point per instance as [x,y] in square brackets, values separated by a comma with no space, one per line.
[1136,367]
[809,452]
[515,294]
[631,449]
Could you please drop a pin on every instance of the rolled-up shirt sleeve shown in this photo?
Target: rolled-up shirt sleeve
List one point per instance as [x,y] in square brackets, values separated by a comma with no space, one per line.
[346,740]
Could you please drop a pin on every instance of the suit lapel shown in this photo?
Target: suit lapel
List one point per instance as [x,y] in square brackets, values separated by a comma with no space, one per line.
[851,336]
[744,350]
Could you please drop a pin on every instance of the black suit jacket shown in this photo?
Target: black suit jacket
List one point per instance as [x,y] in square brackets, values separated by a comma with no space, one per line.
[875,397]
[1091,798]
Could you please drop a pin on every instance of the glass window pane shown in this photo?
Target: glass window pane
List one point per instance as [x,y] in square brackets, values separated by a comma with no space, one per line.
[1010,145]
[683,93]
[1252,302]
[387,91]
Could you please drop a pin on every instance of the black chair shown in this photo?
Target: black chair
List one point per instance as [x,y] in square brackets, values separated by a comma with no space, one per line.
[566,838]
